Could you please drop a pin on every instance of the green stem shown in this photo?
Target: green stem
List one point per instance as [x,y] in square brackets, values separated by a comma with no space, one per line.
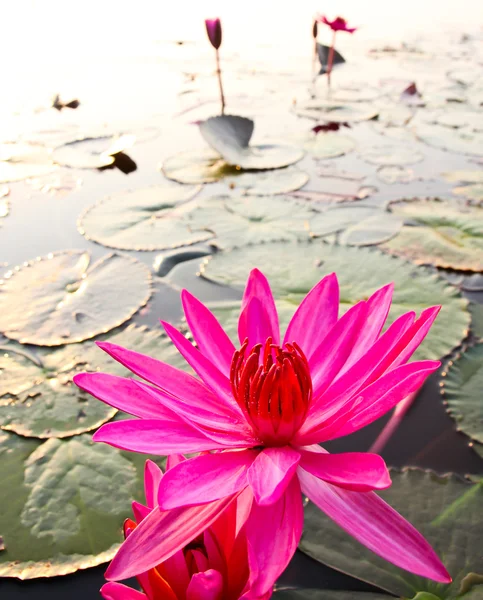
[220,83]
[330,60]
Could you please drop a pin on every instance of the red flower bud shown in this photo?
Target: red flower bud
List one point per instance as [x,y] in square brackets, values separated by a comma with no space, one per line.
[213,29]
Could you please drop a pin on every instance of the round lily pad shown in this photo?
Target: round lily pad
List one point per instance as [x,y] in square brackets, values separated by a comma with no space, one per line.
[91,153]
[336,112]
[21,161]
[461,387]
[445,509]
[454,140]
[440,234]
[237,221]
[476,311]
[229,136]
[391,155]
[298,267]
[461,118]
[357,225]
[60,299]
[268,183]
[473,191]
[145,219]
[314,594]
[464,176]
[197,166]
[38,398]
[329,145]
[395,174]
[64,505]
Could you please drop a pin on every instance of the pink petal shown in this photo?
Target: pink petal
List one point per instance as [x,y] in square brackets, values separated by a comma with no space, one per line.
[205,586]
[207,371]
[274,533]
[356,471]
[142,550]
[204,420]
[375,524]
[140,511]
[385,393]
[118,591]
[271,472]
[315,316]
[152,479]
[332,353]
[173,460]
[258,319]
[378,307]
[152,436]
[123,394]
[209,335]
[168,378]
[205,478]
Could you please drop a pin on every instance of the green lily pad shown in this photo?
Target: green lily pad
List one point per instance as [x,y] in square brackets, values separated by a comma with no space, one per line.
[145,219]
[230,135]
[461,118]
[21,161]
[197,166]
[336,112]
[464,176]
[312,594]
[59,299]
[395,174]
[391,155]
[476,311]
[461,387]
[473,191]
[92,153]
[64,505]
[268,183]
[439,233]
[237,221]
[329,145]
[293,269]
[38,397]
[445,509]
[455,140]
[357,225]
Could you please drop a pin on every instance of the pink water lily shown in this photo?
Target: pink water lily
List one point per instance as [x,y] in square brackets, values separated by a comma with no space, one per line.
[258,414]
[214,566]
[214,31]
[338,24]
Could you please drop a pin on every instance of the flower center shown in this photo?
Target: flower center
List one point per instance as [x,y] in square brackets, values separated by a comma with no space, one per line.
[272,385]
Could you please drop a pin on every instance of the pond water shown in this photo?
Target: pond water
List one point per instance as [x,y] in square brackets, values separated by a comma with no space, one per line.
[147,71]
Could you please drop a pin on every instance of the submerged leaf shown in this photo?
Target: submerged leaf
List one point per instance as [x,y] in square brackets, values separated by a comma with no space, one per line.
[59,299]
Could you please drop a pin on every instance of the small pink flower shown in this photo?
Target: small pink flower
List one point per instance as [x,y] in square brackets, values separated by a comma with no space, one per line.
[213,29]
[338,24]
[213,566]
[261,412]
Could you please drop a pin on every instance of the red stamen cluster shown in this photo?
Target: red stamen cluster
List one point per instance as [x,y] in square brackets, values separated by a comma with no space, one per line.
[273,387]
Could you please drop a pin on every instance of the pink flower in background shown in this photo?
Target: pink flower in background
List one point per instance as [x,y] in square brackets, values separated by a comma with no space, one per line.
[213,29]
[338,24]
[262,410]
[214,566]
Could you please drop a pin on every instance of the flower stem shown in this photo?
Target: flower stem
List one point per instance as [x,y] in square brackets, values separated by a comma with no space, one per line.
[314,65]
[330,60]
[393,423]
[218,73]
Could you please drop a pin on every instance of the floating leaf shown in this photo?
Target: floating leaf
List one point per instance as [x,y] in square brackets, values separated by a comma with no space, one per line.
[437,233]
[230,135]
[472,192]
[464,176]
[454,140]
[336,112]
[461,118]
[39,399]
[92,152]
[164,263]
[461,387]
[64,504]
[197,166]
[21,161]
[395,174]
[447,511]
[59,299]
[391,155]
[268,183]
[311,594]
[293,269]
[358,225]
[145,219]
[476,311]
[246,220]
[329,145]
